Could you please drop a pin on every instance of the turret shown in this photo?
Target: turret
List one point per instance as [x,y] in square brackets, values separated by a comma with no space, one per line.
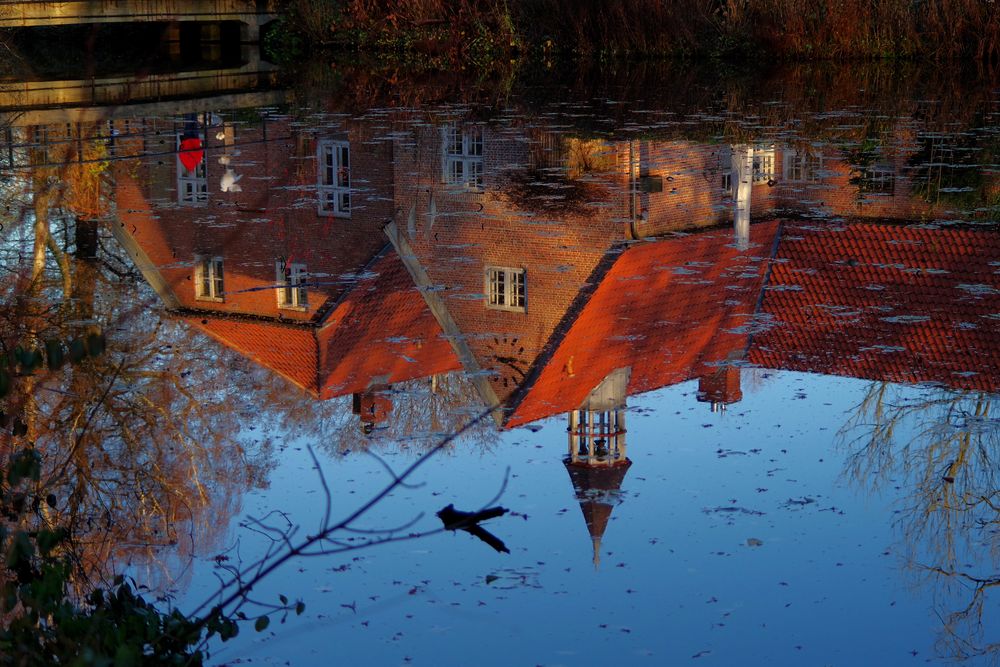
[597,462]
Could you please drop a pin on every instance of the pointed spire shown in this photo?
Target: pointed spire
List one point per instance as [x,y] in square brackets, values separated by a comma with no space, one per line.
[598,490]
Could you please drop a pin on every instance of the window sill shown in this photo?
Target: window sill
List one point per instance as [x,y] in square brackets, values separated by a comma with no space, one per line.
[332,214]
[509,309]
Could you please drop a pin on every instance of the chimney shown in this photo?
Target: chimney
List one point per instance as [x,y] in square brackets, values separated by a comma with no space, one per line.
[720,387]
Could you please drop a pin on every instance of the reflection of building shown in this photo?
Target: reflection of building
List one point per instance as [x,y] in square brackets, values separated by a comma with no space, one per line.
[597,460]
[598,490]
[562,274]
[291,268]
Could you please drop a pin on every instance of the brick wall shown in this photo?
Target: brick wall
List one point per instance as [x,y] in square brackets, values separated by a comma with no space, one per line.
[274,216]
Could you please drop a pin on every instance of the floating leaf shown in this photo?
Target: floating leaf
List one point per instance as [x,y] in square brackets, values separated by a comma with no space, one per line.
[261,624]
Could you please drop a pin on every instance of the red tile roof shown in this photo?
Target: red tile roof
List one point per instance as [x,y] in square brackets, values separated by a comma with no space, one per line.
[669,309]
[289,350]
[380,333]
[885,302]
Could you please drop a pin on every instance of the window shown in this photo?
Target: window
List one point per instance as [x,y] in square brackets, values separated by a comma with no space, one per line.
[876,179]
[802,167]
[192,185]
[463,157]
[763,165]
[291,280]
[727,183]
[334,178]
[208,283]
[505,288]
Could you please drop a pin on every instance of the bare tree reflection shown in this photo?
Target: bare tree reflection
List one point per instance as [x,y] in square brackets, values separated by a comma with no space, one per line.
[419,413]
[941,447]
[143,462]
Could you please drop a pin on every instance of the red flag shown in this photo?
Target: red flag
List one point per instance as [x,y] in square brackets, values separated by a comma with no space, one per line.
[191,153]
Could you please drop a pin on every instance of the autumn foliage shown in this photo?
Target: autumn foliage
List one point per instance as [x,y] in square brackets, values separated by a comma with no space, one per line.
[933,29]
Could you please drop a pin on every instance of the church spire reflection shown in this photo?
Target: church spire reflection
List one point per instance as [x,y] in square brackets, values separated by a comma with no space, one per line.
[597,460]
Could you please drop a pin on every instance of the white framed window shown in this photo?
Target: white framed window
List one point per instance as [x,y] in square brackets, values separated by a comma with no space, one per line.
[802,167]
[727,183]
[763,165]
[333,180]
[291,280]
[878,179]
[463,157]
[506,288]
[208,279]
[192,186]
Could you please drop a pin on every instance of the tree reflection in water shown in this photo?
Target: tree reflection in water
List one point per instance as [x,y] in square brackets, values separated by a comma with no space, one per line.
[942,447]
[138,444]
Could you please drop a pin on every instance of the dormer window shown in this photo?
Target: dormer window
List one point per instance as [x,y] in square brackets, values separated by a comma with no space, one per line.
[291,280]
[506,288]
[208,279]
[463,157]
[333,181]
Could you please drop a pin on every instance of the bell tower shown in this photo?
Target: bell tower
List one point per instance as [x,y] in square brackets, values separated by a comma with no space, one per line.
[596,461]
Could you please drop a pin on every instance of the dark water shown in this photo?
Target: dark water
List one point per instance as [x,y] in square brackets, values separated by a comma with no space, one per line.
[725,345]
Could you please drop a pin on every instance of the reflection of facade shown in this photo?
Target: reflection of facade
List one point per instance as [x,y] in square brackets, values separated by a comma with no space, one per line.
[562,274]
[289,268]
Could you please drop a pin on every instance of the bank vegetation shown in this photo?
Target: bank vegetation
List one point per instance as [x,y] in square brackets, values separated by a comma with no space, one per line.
[483,30]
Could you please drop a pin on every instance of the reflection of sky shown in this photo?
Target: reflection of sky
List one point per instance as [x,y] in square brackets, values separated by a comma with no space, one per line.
[674,582]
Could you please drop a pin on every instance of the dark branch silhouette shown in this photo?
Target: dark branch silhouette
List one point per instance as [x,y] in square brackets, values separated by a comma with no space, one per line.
[454,519]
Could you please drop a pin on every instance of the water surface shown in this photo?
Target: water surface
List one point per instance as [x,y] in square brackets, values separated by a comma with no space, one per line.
[725,348]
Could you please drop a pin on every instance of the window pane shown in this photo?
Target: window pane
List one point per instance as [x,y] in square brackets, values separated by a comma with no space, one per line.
[454,142]
[218,278]
[476,143]
[518,284]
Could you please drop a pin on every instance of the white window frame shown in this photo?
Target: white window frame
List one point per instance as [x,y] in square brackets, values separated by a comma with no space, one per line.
[802,167]
[333,178]
[877,179]
[192,190]
[291,281]
[763,165]
[462,162]
[500,284]
[210,287]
